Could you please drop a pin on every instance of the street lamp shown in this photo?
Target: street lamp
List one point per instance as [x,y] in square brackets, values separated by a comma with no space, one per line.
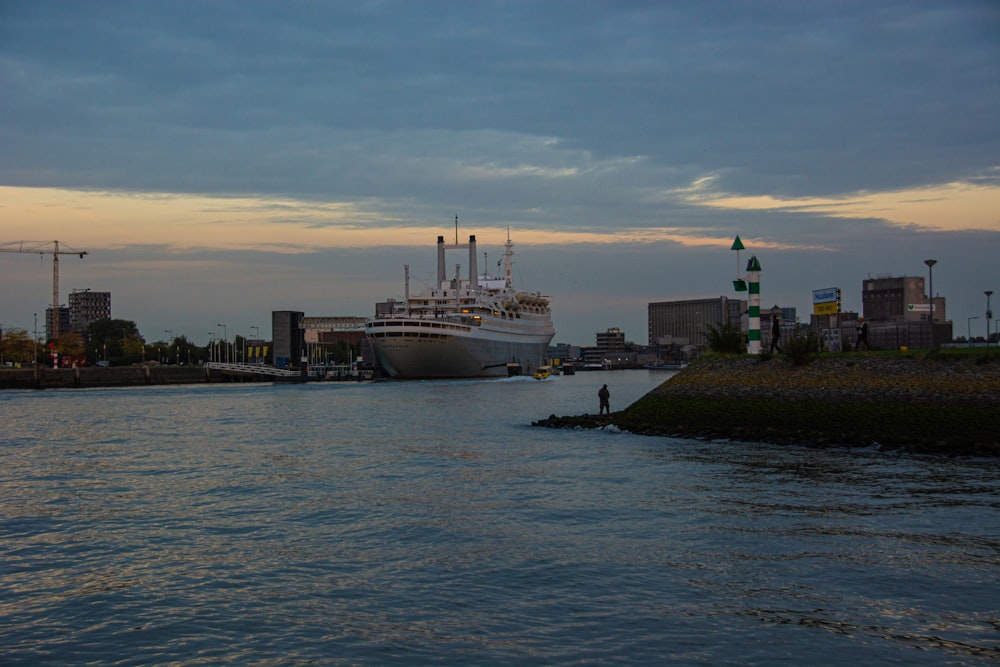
[225,337]
[989,315]
[968,325]
[257,338]
[211,346]
[170,336]
[930,292]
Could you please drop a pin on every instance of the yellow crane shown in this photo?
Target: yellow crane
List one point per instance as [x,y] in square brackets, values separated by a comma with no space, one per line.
[35,248]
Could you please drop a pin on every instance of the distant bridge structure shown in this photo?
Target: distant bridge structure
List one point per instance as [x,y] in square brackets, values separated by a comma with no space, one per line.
[251,369]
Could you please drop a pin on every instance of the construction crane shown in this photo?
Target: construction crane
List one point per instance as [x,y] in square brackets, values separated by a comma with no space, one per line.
[35,248]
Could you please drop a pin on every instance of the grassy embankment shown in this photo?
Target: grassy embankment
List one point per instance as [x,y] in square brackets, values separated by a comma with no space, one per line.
[941,401]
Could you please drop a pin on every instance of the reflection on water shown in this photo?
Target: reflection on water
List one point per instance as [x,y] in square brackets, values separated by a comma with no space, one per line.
[427,521]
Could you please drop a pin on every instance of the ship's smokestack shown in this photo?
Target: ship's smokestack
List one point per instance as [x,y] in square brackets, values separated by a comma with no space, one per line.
[473,267]
[441,271]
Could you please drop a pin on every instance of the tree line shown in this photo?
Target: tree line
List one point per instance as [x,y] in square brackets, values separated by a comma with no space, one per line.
[117,342]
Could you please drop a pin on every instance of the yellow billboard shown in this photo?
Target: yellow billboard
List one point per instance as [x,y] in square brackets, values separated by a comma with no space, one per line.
[825,308]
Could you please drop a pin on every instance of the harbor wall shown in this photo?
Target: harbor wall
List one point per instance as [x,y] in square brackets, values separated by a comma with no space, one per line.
[40,377]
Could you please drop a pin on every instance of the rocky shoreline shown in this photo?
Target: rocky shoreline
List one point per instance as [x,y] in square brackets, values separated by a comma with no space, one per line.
[938,402]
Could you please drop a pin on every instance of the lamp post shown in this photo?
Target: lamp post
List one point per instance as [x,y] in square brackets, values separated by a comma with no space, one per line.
[968,324]
[170,336]
[930,293]
[225,337]
[989,315]
[211,346]
[256,338]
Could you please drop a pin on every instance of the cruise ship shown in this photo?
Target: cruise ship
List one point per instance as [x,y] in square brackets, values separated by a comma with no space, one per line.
[479,326]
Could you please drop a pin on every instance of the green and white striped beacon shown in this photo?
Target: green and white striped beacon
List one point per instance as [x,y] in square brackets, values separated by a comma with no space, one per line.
[753,303]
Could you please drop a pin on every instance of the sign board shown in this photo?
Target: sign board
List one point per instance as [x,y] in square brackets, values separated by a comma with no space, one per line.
[826,295]
[825,308]
[918,307]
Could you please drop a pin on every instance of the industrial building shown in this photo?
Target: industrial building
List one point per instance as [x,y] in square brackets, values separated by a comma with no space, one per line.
[896,309]
[899,299]
[323,335]
[898,314]
[288,343]
[685,322]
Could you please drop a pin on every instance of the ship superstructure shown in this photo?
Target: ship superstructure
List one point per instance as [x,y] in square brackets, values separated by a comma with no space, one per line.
[479,326]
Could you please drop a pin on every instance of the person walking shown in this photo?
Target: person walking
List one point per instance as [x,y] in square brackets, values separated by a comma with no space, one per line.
[775,333]
[862,335]
[605,397]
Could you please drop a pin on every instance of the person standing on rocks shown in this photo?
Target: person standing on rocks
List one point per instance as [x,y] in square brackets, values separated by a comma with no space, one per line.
[775,333]
[605,397]
[862,335]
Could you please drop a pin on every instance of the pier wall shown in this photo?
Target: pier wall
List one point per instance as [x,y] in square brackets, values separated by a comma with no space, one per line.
[94,376]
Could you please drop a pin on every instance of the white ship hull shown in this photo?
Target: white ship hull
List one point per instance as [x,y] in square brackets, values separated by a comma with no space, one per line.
[463,328]
[408,348]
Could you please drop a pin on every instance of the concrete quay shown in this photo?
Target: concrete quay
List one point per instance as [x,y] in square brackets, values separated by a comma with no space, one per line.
[41,377]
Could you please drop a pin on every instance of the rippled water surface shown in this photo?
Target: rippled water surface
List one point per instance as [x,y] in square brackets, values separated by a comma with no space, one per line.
[419,522]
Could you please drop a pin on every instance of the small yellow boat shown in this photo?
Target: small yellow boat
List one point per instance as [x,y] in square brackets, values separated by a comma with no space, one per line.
[542,372]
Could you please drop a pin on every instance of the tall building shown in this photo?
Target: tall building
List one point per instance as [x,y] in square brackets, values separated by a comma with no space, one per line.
[287,337]
[898,314]
[63,314]
[612,340]
[609,350]
[86,307]
[899,299]
[685,322]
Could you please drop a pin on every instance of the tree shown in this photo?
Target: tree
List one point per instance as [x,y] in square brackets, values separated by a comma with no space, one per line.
[117,341]
[184,351]
[16,346]
[70,343]
[344,352]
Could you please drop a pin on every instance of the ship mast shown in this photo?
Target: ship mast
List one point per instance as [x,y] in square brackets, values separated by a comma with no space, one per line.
[406,274]
[508,254]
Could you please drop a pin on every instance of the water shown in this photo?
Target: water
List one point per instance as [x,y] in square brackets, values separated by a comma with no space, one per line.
[428,522]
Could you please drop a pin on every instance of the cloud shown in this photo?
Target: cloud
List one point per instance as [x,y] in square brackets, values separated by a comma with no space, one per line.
[626,141]
[948,206]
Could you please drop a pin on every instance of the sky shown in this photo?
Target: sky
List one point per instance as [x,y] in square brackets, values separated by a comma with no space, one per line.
[220,160]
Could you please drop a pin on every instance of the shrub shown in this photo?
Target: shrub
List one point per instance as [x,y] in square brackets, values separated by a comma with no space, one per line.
[726,338]
[801,349]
